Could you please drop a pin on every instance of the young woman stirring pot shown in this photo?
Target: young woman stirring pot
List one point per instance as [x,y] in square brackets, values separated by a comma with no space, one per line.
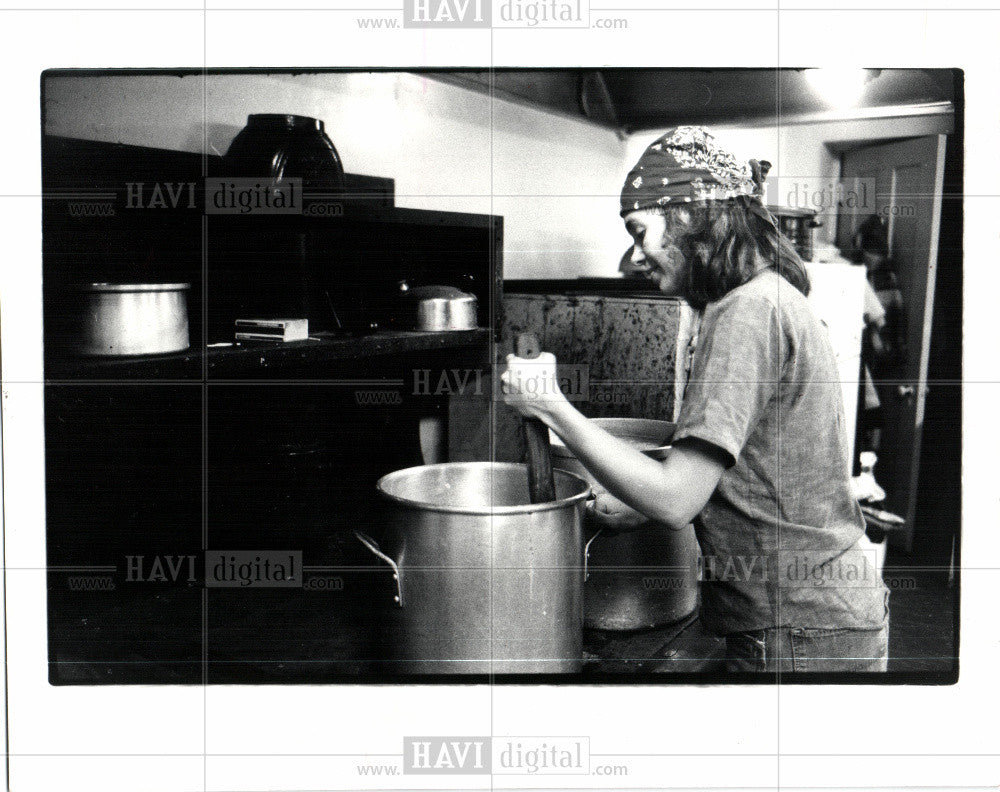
[759,459]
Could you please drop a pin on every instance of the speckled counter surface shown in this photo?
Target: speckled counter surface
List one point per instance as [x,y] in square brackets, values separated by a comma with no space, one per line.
[627,344]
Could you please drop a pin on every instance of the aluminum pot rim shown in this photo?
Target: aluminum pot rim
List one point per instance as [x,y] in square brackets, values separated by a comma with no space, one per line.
[133,287]
[527,508]
[458,299]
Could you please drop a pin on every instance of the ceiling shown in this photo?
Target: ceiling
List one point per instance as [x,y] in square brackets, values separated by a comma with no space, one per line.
[631,100]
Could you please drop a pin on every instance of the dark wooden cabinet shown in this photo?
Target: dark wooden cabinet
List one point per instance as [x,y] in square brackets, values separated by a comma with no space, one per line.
[252,447]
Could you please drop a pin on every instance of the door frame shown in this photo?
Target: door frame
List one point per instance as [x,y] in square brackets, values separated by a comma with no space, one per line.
[905,537]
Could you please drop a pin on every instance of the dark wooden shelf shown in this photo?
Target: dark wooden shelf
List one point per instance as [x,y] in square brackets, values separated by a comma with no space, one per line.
[319,355]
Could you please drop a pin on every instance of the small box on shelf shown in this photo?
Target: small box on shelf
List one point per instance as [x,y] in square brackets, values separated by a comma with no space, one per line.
[272,329]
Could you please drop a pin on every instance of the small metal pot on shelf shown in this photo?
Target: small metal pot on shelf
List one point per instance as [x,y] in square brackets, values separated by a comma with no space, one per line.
[437,308]
[122,319]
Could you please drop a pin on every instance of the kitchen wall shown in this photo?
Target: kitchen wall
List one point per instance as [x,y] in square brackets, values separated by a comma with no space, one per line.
[554,179]
[807,155]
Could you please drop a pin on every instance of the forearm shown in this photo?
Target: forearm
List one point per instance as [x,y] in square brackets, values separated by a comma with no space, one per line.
[637,480]
[670,492]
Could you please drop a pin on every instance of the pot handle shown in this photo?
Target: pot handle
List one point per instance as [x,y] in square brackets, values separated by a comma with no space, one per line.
[372,545]
[591,500]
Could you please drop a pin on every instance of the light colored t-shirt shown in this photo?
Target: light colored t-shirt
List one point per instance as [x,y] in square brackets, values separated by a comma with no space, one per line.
[780,535]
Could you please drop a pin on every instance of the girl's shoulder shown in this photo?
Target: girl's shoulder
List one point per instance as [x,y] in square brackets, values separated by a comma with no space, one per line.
[766,310]
[767,292]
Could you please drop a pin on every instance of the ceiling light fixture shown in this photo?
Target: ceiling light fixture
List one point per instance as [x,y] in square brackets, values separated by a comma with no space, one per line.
[839,87]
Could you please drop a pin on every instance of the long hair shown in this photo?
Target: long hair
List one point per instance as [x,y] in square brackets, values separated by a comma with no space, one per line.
[726,244]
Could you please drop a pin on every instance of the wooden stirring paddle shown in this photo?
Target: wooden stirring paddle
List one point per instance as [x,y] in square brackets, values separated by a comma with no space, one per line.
[541,485]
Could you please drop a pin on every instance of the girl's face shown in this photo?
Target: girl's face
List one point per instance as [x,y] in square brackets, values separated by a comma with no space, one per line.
[654,252]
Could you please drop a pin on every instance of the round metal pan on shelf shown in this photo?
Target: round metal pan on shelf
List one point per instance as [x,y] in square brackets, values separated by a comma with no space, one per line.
[440,308]
[121,319]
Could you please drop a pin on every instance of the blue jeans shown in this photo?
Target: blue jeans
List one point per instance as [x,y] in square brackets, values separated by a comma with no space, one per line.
[808,649]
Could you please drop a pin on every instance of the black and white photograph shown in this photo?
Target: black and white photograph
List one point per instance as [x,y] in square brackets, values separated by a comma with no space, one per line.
[300,431]
[421,421]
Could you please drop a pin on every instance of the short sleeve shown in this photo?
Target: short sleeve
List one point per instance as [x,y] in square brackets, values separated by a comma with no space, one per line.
[735,373]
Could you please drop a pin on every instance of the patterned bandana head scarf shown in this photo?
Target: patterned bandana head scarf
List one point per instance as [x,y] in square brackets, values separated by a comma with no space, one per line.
[687,165]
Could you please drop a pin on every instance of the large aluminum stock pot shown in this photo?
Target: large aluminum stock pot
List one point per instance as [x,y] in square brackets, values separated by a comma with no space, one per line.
[643,578]
[486,581]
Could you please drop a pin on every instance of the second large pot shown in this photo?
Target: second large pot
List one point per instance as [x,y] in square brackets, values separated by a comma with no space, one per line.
[647,577]
[486,581]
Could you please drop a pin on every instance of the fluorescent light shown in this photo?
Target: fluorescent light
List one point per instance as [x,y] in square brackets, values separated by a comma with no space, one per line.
[839,87]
